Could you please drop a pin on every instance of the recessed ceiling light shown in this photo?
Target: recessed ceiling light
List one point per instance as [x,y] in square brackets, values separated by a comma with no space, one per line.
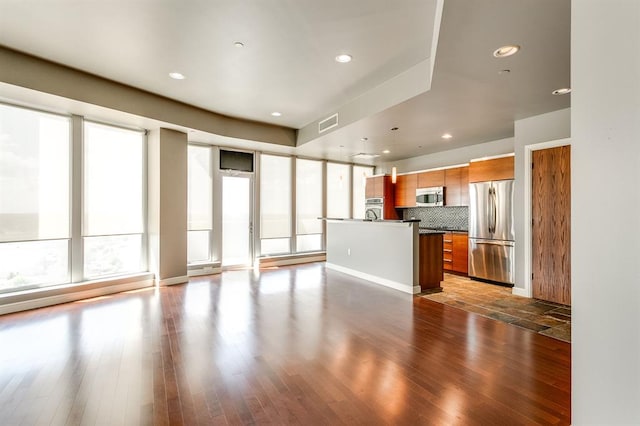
[344,58]
[176,76]
[447,136]
[238,44]
[364,139]
[502,72]
[562,91]
[276,114]
[504,51]
[386,151]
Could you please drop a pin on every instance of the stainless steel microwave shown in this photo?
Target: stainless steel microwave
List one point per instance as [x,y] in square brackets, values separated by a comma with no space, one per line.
[429,197]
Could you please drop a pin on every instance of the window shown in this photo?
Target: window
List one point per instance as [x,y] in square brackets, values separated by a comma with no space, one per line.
[360,174]
[275,204]
[34,198]
[200,204]
[113,203]
[308,205]
[338,190]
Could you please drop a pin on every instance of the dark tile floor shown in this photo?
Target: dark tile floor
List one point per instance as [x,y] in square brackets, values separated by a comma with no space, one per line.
[497,302]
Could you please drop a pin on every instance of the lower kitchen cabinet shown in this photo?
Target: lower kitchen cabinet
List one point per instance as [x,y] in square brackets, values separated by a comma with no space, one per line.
[460,252]
[455,252]
[447,251]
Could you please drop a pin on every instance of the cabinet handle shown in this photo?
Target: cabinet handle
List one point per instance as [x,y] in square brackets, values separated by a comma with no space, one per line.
[447,260]
[447,241]
[447,250]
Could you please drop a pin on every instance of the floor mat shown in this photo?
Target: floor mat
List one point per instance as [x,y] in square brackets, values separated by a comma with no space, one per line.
[497,302]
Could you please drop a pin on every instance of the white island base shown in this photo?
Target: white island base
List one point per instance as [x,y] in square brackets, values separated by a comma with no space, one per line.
[385,252]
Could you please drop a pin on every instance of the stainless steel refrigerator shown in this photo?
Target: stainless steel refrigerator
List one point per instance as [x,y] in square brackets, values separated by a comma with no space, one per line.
[491,231]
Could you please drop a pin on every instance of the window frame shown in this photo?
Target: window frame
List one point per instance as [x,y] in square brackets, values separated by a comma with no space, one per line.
[211,255]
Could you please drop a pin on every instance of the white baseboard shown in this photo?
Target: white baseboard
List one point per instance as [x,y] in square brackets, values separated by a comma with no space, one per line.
[378,280]
[174,280]
[291,260]
[520,292]
[204,271]
[73,296]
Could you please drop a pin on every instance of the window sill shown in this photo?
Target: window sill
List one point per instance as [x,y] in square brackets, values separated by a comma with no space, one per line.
[47,296]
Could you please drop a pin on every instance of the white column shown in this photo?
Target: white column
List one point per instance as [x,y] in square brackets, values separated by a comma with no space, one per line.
[605,225]
[167,206]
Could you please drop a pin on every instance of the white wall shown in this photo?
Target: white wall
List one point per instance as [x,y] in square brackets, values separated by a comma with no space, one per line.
[451,157]
[605,129]
[530,131]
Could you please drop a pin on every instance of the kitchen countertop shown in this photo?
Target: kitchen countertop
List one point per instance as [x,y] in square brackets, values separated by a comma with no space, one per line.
[443,229]
[369,220]
[423,231]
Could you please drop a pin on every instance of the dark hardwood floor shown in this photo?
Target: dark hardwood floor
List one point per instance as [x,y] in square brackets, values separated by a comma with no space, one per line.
[294,345]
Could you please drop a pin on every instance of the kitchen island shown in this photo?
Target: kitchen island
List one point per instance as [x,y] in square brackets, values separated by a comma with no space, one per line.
[392,253]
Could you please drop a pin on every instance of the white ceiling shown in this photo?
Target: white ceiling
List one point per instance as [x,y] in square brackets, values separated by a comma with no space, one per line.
[288,65]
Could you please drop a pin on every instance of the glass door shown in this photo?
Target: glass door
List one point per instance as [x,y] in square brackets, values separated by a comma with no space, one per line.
[237,222]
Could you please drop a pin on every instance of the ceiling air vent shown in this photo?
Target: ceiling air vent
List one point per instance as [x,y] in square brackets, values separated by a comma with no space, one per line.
[328,123]
[365,156]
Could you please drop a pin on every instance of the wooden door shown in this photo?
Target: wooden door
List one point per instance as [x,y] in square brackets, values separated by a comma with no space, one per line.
[551,225]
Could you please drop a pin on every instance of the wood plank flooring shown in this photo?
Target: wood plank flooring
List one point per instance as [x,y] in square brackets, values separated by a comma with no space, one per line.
[293,345]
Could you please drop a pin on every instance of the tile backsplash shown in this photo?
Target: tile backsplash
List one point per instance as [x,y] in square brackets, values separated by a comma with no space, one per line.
[440,217]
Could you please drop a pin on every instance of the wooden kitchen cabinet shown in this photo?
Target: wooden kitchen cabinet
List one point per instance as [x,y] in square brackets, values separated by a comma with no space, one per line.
[374,187]
[455,252]
[452,187]
[494,169]
[431,179]
[460,254]
[381,187]
[406,190]
[456,182]
[464,186]
[447,251]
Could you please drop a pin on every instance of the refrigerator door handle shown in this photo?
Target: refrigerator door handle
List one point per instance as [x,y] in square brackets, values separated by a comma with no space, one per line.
[490,211]
[496,243]
[493,210]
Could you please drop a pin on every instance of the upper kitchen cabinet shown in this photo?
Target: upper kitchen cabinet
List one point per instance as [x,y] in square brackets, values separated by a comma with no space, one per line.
[452,187]
[431,179]
[374,187]
[464,186]
[381,187]
[456,182]
[406,186]
[495,169]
